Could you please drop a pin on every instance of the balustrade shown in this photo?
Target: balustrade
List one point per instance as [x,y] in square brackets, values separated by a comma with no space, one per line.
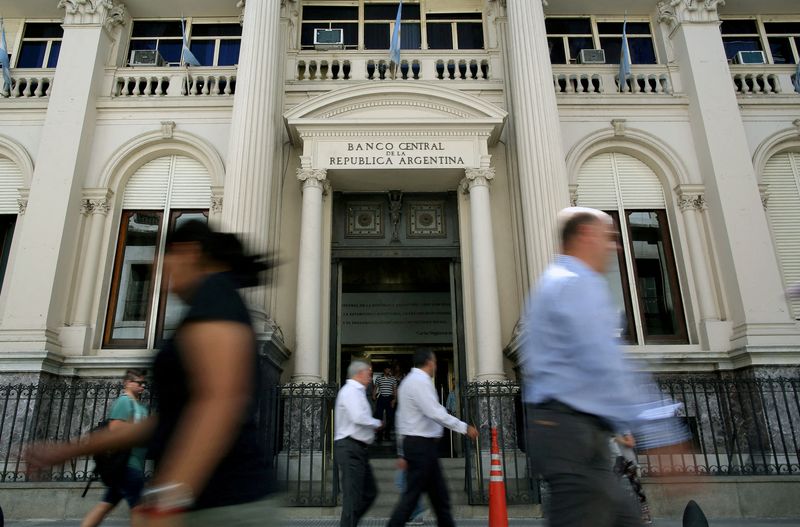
[762,79]
[30,85]
[163,82]
[603,79]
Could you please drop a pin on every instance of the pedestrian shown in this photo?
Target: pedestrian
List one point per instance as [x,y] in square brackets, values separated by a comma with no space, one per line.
[578,387]
[420,423]
[385,400]
[126,410]
[354,431]
[210,468]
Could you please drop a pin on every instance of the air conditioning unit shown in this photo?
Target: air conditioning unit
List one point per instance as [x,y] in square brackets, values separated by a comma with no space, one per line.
[328,39]
[592,56]
[750,57]
[146,57]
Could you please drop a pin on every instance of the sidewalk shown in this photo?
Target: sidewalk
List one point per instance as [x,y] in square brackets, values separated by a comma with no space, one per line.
[375,522]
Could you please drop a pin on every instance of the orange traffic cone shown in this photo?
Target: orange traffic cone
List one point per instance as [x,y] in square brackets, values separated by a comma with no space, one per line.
[498,514]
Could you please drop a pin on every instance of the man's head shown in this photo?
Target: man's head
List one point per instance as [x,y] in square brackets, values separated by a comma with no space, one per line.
[589,235]
[425,360]
[360,371]
[387,371]
[133,382]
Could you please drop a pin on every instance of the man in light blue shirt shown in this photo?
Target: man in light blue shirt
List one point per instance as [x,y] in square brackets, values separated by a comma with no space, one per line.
[578,386]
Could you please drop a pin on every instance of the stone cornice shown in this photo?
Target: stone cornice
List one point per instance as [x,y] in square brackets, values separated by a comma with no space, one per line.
[676,12]
[109,13]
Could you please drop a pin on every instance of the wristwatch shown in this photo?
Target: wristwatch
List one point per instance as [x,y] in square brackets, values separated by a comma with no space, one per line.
[167,498]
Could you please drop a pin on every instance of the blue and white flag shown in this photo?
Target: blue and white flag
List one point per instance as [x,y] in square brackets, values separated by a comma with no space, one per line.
[187,57]
[797,77]
[394,50]
[624,58]
[4,63]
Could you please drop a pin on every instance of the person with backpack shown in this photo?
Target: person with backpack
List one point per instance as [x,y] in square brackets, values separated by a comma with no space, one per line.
[128,481]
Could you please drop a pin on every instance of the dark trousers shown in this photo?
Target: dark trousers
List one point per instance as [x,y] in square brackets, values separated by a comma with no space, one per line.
[384,406]
[570,450]
[424,475]
[357,481]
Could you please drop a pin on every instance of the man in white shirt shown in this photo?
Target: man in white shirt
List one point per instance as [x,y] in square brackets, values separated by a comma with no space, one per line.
[354,430]
[420,423]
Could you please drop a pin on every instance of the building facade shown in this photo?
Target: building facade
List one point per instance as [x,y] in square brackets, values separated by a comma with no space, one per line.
[409,204]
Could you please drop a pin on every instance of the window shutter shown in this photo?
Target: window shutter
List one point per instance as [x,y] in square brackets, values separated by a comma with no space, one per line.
[191,185]
[10,183]
[607,181]
[639,186]
[782,177]
[596,186]
[147,188]
[184,180]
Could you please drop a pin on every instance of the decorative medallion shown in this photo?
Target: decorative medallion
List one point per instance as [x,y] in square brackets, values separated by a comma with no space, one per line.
[364,220]
[426,219]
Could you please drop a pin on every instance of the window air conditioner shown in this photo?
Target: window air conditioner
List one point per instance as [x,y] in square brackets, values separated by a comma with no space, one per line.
[592,56]
[146,57]
[750,57]
[328,39]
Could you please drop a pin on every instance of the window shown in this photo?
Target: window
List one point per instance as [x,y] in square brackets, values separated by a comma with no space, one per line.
[379,24]
[643,280]
[784,42]
[740,35]
[369,24]
[159,197]
[566,37]
[162,35]
[41,44]
[455,31]
[216,44]
[330,17]
[782,177]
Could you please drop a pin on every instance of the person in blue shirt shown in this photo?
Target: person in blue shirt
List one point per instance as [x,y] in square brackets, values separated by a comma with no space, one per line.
[578,386]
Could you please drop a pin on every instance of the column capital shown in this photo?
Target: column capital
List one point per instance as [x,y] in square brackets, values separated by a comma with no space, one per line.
[691,197]
[109,13]
[676,12]
[96,201]
[763,191]
[22,201]
[478,177]
[312,177]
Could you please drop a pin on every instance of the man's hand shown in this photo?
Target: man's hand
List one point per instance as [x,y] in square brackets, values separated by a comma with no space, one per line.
[472,432]
[401,464]
[382,426]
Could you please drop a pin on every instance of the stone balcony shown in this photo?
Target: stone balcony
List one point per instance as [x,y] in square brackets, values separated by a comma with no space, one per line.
[602,79]
[29,83]
[140,82]
[766,80]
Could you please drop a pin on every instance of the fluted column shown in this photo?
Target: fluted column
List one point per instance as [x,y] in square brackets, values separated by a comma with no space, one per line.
[96,207]
[308,322]
[489,350]
[540,156]
[254,140]
[748,269]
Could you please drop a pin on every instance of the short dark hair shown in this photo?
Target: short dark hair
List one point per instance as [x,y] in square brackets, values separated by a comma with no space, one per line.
[422,356]
[131,375]
[572,226]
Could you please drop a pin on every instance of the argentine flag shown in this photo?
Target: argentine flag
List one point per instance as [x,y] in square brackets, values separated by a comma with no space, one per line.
[394,50]
[186,54]
[797,77]
[625,58]
[4,64]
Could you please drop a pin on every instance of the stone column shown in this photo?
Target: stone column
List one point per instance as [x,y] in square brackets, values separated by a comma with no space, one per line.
[542,170]
[255,137]
[714,335]
[38,290]
[489,350]
[748,267]
[308,322]
[96,206]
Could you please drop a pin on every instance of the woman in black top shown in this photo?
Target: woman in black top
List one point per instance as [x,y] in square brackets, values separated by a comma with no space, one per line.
[203,436]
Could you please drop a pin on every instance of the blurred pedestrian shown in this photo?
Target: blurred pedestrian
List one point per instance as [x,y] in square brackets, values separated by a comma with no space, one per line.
[210,465]
[578,387]
[354,431]
[625,465]
[126,410]
[420,424]
[385,400]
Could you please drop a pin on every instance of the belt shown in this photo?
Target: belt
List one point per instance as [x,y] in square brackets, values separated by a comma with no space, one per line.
[422,438]
[356,441]
[558,406]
